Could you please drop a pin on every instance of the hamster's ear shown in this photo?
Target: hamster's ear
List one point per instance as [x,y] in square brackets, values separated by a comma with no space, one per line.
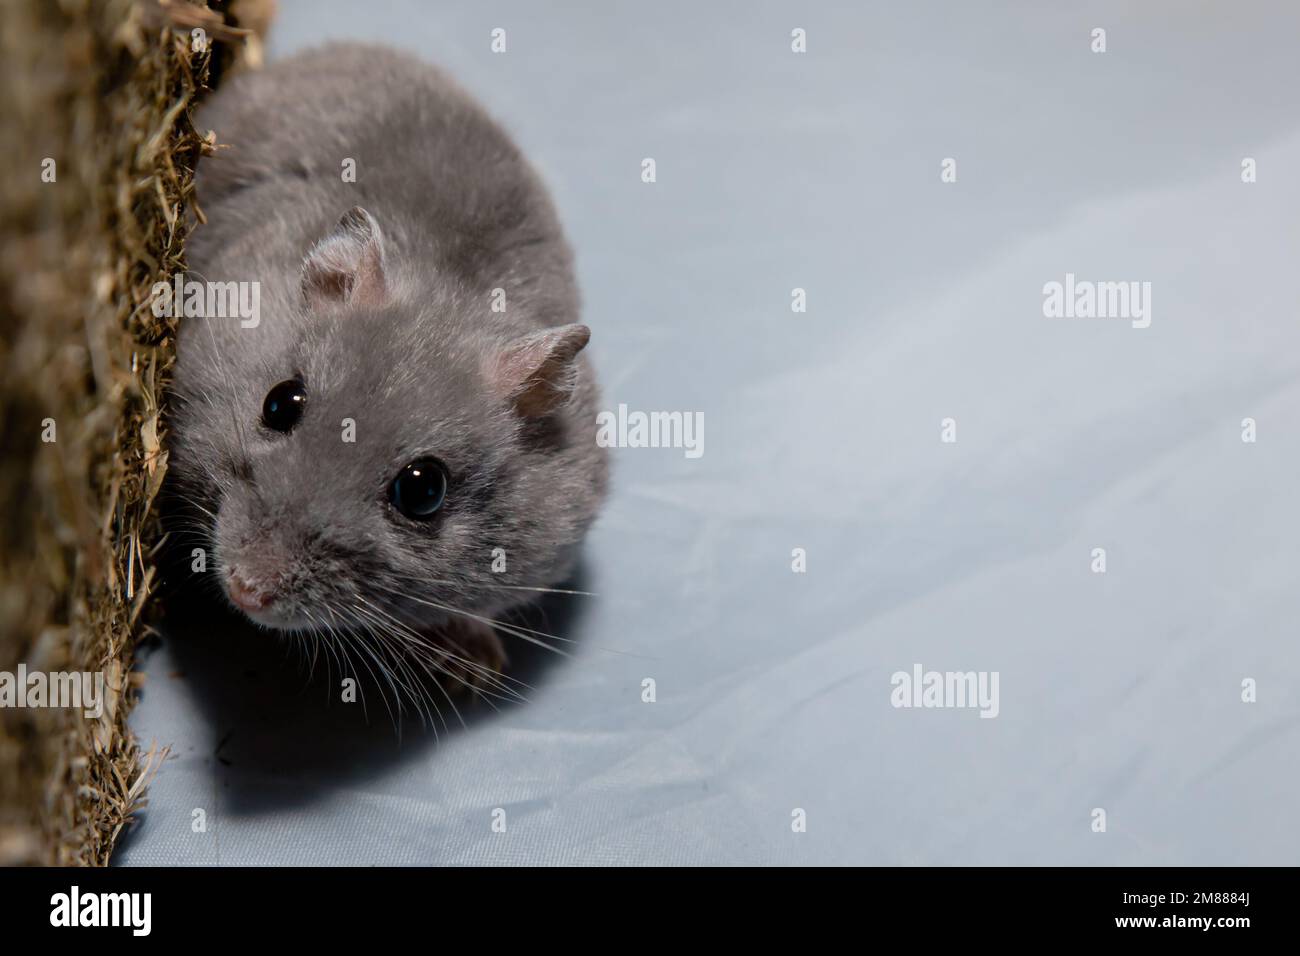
[348,264]
[537,373]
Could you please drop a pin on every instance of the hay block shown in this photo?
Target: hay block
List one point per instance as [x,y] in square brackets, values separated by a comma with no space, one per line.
[95,201]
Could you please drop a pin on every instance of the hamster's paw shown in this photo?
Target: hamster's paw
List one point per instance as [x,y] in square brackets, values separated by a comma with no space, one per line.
[475,656]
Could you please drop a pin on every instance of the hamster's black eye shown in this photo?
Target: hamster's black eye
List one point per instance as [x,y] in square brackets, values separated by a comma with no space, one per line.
[419,488]
[283,405]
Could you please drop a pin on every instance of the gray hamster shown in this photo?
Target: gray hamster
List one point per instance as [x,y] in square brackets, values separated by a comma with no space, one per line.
[399,448]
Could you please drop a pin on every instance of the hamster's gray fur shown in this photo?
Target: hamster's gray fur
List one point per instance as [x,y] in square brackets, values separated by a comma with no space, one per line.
[378,294]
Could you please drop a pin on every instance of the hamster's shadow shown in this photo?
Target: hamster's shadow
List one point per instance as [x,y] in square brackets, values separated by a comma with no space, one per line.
[283,729]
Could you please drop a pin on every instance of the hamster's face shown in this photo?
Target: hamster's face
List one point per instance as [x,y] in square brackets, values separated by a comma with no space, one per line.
[383,465]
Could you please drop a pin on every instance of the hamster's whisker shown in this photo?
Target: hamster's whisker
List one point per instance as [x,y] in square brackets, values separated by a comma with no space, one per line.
[503,587]
[193,501]
[420,582]
[323,631]
[469,662]
[414,641]
[396,669]
[486,620]
[325,639]
[523,633]
[426,652]
[365,654]
[339,637]
[347,646]
[314,644]
[385,633]
[517,587]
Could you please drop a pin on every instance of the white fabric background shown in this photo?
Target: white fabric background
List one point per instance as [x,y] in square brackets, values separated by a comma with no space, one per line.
[821,171]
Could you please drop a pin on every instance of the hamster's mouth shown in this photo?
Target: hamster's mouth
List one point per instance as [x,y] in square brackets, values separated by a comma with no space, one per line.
[263,608]
[274,620]
[269,614]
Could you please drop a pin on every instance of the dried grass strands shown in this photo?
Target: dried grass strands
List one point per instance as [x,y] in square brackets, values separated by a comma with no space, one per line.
[104,89]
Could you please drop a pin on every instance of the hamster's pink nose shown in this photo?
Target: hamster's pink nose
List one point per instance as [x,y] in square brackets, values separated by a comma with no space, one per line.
[245,595]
